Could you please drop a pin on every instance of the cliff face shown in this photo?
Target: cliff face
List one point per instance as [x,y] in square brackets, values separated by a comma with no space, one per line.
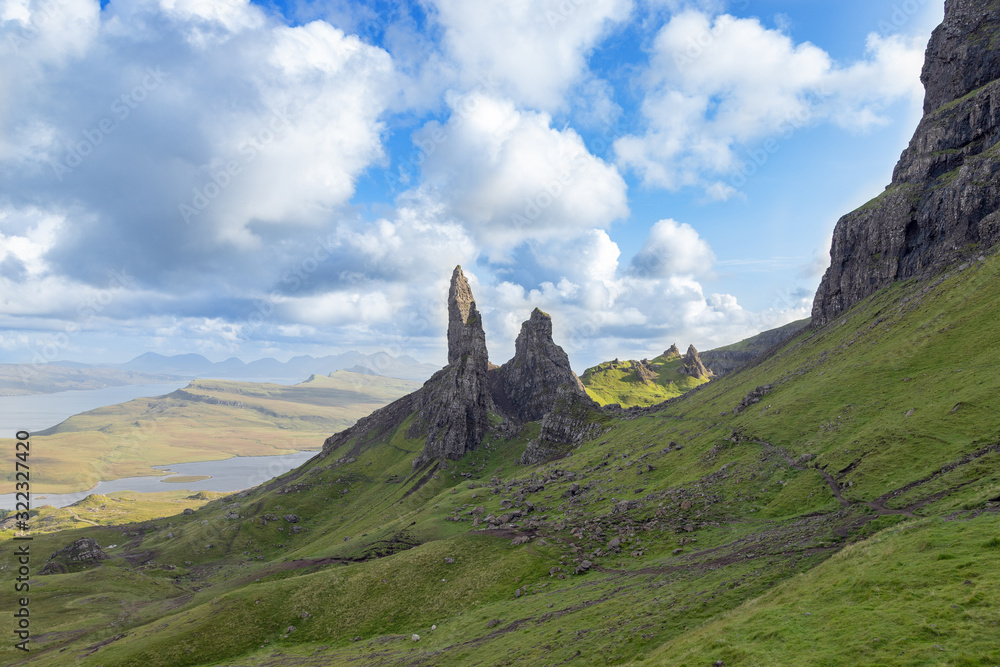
[944,198]
[452,410]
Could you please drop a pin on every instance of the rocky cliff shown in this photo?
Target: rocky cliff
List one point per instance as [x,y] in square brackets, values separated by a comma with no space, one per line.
[724,360]
[539,373]
[942,205]
[452,410]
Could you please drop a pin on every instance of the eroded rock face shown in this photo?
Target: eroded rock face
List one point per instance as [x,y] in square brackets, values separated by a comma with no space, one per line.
[454,405]
[465,326]
[528,386]
[944,200]
[452,410]
[693,365]
[572,420]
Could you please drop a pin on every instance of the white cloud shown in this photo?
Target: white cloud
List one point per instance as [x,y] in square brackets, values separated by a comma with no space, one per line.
[46,32]
[220,128]
[509,176]
[533,51]
[718,82]
[601,311]
[673,249]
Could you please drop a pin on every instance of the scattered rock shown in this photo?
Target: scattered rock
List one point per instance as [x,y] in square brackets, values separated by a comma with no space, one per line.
[83,552]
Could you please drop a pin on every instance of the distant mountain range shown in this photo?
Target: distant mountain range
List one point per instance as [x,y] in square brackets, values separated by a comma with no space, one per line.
[149,368]
[301,367]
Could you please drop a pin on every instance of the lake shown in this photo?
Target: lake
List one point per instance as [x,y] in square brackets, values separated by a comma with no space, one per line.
[239,472]
[38,412]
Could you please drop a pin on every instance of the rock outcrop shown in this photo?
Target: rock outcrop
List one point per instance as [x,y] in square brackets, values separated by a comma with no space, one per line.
[646,373]
[452,411]
[693,365]
[573,419]
[528,386]
[466,337]
[80,554]
[672,351]
[944,201]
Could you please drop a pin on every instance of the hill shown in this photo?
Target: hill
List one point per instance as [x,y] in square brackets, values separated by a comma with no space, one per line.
[25,379]
[835,503]
[841,491]
[642,383]
[726,359]
[207,420]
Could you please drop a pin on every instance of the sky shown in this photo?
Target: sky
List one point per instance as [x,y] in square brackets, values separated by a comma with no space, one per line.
[270,179]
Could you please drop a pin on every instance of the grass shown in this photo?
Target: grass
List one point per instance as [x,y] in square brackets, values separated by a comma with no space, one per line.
[619,382]
[924,593]
[712,534]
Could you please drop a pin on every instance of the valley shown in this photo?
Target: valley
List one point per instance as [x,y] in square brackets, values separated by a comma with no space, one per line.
[830,497]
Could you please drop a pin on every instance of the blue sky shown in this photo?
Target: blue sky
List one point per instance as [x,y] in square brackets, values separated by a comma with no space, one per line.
[271,179]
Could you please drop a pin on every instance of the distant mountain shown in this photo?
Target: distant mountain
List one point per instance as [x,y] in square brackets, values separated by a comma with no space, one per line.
[190,366]
[181,364]
[153,368]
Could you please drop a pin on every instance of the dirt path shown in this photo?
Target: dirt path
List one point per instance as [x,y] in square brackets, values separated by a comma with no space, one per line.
[81,519]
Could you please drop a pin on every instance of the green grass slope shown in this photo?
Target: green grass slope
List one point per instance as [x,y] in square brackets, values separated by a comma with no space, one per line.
[838,503]
[622,382]
[207,420]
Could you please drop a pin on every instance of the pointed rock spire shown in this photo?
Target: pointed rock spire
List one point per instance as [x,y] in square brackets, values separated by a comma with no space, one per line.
[454,405]
[465,326]
[672,350]
[693,365]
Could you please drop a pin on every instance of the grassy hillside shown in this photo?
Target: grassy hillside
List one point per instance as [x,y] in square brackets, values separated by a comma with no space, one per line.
[207,420]
[624,383]
[851,515]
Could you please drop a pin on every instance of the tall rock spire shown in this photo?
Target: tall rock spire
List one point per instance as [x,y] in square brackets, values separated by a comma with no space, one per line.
[465,326]
[454,405]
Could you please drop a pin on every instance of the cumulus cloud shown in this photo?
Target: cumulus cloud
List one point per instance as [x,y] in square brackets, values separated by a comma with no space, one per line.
[716,83]
[673,248]
[505,43]
[185,133]
[510,177]
[602,309]
[182,175]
